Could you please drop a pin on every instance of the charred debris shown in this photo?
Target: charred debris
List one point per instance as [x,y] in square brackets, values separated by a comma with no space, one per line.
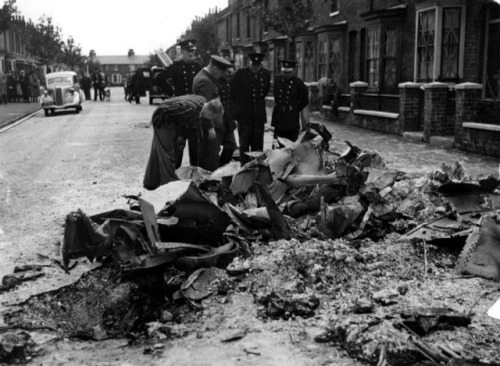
[318,216]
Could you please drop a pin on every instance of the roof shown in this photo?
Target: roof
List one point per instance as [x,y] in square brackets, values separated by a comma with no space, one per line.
[61,73]
[122,60]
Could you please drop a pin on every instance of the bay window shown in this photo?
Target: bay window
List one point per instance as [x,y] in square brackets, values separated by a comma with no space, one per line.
[440,37]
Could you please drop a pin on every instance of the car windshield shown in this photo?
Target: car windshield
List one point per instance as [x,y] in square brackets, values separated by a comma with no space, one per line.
[60,80]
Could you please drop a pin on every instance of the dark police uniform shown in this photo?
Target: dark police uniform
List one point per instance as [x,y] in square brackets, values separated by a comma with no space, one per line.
[248,92]
[290,97]
[228,139]
[206,85]
[181,75]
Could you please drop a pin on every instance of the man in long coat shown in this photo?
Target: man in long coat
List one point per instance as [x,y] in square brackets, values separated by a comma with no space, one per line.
[249,88]
[290,98]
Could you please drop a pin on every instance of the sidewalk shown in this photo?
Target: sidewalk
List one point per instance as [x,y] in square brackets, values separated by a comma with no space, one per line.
[408,154]
[12,112]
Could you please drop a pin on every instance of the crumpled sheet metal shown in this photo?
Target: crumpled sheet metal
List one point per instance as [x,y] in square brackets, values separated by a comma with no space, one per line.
[85,238]
[199,219]
[253,171]
[475,202]
[481,253]
[334,220]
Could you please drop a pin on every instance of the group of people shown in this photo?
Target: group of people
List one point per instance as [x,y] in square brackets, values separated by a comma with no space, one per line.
[19,86]
[210,103]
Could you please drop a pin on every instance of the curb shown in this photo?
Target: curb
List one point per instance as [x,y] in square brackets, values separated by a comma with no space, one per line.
[15,122]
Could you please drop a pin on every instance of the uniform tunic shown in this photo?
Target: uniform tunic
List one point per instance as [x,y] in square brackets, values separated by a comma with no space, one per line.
[228,140]
[290,97]
[166,119]
[182,74]
[248,93]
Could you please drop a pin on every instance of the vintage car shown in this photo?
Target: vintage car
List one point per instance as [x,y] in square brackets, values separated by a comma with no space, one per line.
[160,87]
[58,96]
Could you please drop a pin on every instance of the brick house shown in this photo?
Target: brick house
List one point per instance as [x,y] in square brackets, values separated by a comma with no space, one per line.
[116,67]
[402,65]
[13,54]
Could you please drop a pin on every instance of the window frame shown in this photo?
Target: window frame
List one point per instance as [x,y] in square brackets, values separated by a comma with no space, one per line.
[334,7]
[382,58]
[438,43]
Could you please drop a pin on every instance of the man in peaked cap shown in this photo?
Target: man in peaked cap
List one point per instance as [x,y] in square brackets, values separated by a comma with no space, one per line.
[249,89]
[290,97]
[181,75]
[210,136]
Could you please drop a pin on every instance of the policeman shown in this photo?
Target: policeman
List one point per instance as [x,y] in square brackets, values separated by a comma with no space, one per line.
[290,97]
[249,89]
[228,139]
[205,84]
[181,75]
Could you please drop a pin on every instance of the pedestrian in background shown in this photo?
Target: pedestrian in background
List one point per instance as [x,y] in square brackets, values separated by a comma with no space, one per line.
[3,88]
[249,89]
[167,118]
[25,86]
[228,140]
[210,135]
[34,86]
[11,86]
[97,83]
[134,88]
[290,98]
[86,86]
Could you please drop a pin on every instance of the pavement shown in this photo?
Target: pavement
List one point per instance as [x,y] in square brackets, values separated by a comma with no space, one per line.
[13,112]
[406,153]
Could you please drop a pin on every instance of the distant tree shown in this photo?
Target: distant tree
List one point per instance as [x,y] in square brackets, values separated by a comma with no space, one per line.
[71,54]
[288,18]
[44,41]
[204,30]
[6,12]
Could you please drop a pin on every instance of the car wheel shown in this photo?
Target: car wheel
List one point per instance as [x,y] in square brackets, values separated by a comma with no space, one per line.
[47,112]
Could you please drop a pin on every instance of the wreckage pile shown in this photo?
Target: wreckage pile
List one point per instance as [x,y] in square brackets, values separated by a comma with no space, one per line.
[374,257]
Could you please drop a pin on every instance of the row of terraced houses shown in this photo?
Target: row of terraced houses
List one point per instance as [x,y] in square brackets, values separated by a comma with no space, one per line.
[417,65]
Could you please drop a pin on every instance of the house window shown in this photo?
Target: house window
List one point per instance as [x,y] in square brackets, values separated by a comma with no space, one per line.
[227,31]
[451,43]
[309,61]
[115,68]
[390,57]
[425,44]
[299,58]
[382,49]
[372,56]
[238,35]
[352,55]
[248,25]
[322,58]
[334,7]
[440,43]
[335,60]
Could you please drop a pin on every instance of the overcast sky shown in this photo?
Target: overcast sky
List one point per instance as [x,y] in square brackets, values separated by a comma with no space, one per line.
[112,27]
